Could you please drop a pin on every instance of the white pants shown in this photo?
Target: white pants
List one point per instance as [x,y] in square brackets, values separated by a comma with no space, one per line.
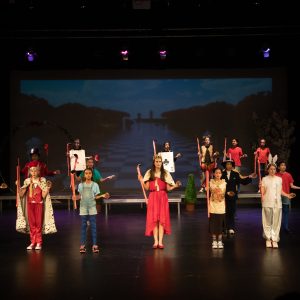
[271,221]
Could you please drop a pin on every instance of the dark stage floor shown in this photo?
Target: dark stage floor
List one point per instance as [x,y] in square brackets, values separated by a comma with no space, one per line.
[127,266]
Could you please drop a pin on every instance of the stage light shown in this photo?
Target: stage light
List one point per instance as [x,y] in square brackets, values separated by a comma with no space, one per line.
[30,55]
[124,54]
[163,54]
[266,52]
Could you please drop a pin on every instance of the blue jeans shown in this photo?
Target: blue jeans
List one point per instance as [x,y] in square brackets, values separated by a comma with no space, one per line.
[285,216]
[93,225]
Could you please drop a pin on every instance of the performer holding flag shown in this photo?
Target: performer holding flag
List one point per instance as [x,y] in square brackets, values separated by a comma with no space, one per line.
[169,157]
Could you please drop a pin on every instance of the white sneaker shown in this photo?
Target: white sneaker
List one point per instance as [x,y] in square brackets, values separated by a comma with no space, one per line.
[220,245]
[231,231]
[88,223]
[268,244]
[214,245]
[30,247]
[38,247]
[274,244]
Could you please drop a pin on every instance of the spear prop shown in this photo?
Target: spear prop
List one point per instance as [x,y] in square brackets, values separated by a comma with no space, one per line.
[139,174]
[225,149]
[199,156]
[68,158]
[207,191]
[154,147]
[18,181]
[198,146]
[259,175]
[72,176]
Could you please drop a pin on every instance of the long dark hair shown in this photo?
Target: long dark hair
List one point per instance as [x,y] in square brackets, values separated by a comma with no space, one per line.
[83,177]
[162,170]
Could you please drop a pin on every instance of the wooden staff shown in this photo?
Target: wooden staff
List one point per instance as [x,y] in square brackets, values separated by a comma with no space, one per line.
[154,147]
[72,175]
[199,156]
[18,181]
[207,191]
[259,175]
[143,188]
[225,149]
[68,158]
[199,151]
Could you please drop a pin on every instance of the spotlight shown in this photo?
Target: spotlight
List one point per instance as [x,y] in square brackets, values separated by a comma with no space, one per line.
[124,54]
[163,54]
[266,52]
[30,55]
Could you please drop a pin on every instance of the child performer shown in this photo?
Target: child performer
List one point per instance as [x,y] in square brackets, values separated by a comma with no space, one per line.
[89,192]
[34,210]
[217,188]
[159,181]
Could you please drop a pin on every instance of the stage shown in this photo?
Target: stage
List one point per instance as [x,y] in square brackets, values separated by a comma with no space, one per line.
[128,267]
[133,197]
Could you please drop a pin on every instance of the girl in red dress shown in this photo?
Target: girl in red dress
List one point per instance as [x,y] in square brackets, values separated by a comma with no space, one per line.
[158,181]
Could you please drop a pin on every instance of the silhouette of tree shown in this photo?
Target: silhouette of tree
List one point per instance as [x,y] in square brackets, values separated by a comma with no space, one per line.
[279,133]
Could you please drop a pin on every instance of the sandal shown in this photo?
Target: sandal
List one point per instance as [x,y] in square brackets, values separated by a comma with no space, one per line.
[82,249]
[95,249]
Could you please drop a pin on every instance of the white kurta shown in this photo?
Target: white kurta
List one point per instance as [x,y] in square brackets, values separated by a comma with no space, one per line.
[272,207]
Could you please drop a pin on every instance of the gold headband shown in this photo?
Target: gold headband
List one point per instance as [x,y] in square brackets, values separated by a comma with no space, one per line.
[34,167]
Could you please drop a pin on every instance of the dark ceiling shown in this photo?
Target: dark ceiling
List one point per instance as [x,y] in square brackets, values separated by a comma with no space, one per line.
[90,33]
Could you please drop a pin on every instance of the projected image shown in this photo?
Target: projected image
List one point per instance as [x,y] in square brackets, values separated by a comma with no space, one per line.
[123,121]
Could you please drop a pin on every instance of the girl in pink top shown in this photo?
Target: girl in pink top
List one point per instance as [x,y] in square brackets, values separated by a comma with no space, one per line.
[262,154]
[235,152]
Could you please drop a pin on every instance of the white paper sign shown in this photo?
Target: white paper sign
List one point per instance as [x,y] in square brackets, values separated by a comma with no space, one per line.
[77,160]
[168,161]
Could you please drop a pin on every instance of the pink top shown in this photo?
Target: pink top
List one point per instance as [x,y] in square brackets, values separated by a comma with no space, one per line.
[287,179]
[263,154]
[235,154]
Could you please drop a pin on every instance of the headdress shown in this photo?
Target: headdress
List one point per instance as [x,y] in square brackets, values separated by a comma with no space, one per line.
[34,164]
[206,136]
[272,160]
[228,160]
[35,151]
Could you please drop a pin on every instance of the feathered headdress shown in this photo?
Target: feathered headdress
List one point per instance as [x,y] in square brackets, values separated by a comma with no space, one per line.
[272,161]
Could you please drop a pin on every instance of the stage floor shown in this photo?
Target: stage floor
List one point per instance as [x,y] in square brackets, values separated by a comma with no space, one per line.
[127,266]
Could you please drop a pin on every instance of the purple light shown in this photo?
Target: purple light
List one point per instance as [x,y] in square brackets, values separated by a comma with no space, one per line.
[124,54]
[266,52]
[30,55]
[163,54]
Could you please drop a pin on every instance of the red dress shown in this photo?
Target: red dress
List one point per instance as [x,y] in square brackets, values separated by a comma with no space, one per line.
[158,207]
